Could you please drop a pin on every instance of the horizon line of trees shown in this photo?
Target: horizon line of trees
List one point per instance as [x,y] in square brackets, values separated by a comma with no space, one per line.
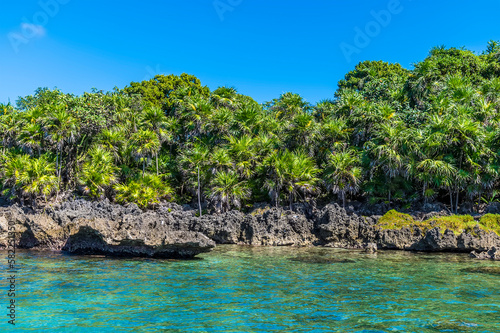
[389,134]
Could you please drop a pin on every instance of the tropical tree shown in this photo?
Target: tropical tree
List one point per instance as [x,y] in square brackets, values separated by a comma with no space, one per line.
[33,177]
[146,191]
[226,190]
[194,161]
[292,173]
[113,140]
[98,173]
[145,143]
[343,174]
[62,129]
[157,121]
[438,173]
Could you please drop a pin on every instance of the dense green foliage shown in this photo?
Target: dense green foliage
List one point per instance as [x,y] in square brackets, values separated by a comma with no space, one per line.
[389,134]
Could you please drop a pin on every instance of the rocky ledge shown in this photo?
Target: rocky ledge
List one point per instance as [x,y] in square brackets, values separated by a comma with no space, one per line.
[174,231]
[89,230]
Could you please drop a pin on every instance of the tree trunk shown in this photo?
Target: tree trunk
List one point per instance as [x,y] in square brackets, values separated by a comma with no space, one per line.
[143,167]
[57,174]
[423,193]
[199,191]
[157,164]
[59,171]
[451,201]
[459,168]
[277,196]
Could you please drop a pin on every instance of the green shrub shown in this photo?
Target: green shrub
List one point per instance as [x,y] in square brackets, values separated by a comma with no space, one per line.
[145,192]
[98,172]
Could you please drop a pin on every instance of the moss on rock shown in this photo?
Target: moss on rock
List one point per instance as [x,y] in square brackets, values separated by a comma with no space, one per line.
[491,222]
[456,223]
[395,220]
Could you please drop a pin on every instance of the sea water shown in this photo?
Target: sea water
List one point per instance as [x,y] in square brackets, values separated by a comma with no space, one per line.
[256,289]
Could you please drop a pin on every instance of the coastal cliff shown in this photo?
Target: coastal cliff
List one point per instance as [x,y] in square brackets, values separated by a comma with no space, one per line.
[174,231]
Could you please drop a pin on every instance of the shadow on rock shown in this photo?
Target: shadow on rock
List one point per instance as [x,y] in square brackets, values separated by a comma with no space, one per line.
[177,245]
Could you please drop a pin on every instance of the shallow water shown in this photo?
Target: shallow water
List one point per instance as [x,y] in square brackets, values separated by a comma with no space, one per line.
[245,289]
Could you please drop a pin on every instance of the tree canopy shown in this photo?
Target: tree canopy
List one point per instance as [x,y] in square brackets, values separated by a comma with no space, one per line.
[390,134]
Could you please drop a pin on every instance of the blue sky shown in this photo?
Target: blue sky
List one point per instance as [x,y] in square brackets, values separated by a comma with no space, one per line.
[261,47]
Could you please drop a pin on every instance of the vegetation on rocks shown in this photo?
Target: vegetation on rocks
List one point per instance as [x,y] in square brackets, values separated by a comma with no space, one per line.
[455,223]
[491,222]
[395,220]
[389,134]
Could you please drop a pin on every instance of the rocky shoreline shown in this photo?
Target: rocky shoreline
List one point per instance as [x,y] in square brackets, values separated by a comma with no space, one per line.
[174,231]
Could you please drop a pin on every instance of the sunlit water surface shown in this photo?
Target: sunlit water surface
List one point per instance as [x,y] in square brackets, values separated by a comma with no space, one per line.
[245,289]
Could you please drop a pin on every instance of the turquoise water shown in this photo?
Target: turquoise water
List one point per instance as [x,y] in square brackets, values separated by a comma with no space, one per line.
[244,289]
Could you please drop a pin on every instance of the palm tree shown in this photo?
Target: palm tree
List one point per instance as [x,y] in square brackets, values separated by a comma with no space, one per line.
[32,176]
[30,138]
[62,129]
[349,101]
[333,135]
[465,140]
[291,172]
[220,159]
[156,120]
[225,97]
[195,157]
[145,192]
[241,150]
[196,110]
[343,174]
[439,173]
[10,123]
[98,173]
[389,151]
[227,190]
[145,143]
[248,118]
[113,141]
[288,105]
[12,170]
[302,131]
[39,178]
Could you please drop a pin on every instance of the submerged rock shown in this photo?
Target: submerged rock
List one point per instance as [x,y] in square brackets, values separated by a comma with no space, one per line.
[370,248]
[494,270]
[491,254]
[322,260]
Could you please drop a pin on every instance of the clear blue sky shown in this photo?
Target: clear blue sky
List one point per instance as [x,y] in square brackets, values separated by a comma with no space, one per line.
[262,47]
